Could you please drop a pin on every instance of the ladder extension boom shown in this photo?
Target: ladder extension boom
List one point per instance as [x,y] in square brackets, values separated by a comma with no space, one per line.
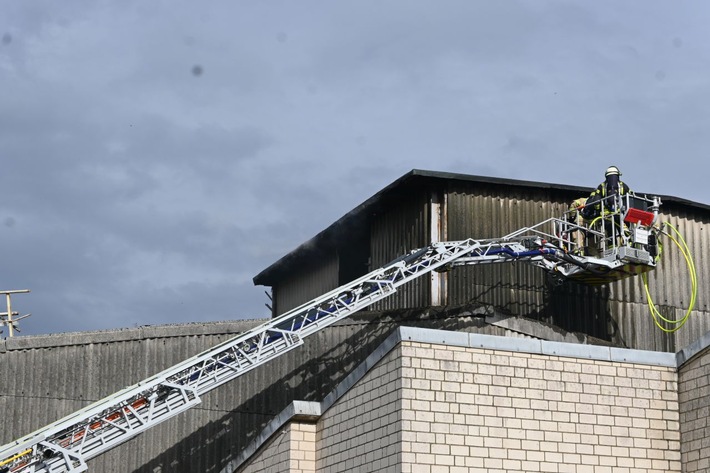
[66,445]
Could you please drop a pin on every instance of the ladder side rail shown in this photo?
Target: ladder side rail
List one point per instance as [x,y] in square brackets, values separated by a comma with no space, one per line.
[385,281]
[342,303]
[254,347]
[558,225]
[535,231]
[119,417]
[518,233]
[508,252]
[117,399]
[69,451]
[130,422]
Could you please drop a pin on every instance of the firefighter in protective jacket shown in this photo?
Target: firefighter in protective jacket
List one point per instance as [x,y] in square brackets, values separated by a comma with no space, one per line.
[612,185]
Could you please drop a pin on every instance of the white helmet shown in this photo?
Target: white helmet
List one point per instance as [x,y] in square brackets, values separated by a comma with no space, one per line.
[612,170]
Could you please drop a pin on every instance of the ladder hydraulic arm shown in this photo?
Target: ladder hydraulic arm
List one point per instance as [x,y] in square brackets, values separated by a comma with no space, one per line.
[67,445]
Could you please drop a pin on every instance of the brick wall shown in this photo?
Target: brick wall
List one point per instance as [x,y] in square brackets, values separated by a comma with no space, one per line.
[694,394]
[361,432]
[290,450]
[500,411]
[445,402]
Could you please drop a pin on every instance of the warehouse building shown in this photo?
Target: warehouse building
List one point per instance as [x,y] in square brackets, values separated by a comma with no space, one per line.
[476,369]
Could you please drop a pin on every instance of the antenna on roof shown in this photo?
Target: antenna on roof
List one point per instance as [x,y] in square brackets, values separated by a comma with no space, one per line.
[6,318]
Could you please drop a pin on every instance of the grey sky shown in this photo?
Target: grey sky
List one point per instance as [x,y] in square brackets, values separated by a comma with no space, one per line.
[156,155]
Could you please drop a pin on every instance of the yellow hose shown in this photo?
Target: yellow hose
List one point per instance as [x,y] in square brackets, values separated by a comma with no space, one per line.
[685,251]
[15,457]
[603,217]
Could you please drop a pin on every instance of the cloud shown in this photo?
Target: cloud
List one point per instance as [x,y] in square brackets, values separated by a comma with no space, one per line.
[155,159]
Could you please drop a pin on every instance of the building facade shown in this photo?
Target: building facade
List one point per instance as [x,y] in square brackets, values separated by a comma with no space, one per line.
[423,207]
[484,369]
[423,390]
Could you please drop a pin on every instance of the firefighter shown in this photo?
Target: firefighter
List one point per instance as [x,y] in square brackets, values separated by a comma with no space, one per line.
[603,197]
[577,236]
[612,185]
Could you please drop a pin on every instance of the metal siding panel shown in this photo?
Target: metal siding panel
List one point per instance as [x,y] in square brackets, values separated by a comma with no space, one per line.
[693,226]
[307,284]
[479,211]
[58,380]
[401,228]
[489,208]
[669,285]
[673,272]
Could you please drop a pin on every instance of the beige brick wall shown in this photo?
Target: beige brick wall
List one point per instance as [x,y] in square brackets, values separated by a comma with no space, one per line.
[430,408]
[466,409]
[290,450]
[694,393]
[361,431]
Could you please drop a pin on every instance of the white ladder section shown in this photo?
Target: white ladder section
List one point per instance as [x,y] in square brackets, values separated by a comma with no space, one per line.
[67,445]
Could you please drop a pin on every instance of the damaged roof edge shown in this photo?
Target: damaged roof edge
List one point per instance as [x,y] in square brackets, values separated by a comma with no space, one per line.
[266,277]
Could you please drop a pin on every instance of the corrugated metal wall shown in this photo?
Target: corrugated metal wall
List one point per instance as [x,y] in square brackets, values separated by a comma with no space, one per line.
[479,210]
[46,378]
[398,229]
[669,286]
[318,278]
[618,311]
[475,208]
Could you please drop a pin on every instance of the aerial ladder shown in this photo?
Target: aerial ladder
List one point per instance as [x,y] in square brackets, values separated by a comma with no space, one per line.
[620,243]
